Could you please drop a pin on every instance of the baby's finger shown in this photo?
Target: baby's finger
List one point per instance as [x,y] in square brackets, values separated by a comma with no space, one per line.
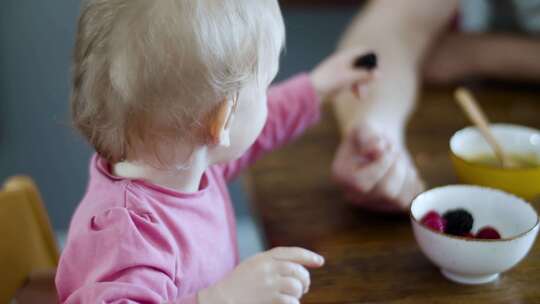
[291,286]
[288,269]
[363,91]
[359,77]
[297,255]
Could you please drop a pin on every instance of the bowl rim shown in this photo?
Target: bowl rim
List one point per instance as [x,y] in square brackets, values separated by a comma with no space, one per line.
[494,168]
[474,239]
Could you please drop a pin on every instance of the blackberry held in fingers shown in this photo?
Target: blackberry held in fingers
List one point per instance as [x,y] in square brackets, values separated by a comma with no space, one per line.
[368,61]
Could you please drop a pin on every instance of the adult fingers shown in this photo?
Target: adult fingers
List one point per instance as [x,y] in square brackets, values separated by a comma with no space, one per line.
[391,184]
[368,176]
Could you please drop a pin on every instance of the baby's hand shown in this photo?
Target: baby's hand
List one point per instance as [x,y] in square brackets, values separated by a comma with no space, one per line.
[277,276]
[348,68]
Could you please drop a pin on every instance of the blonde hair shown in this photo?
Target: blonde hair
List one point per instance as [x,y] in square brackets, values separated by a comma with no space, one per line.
[146,72]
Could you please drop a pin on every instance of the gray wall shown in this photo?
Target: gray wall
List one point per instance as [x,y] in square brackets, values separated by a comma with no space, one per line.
[36,38]
[35,45]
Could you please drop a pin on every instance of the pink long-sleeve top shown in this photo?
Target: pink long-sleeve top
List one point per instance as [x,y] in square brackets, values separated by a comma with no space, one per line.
[131,241]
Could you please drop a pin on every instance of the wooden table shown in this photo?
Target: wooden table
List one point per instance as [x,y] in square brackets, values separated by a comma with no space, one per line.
[373,258]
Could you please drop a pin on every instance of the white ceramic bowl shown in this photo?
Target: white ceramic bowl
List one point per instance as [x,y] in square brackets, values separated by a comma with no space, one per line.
[475,261]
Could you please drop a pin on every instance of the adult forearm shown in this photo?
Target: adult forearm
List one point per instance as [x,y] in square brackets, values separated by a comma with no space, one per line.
[507,57]
[401,33]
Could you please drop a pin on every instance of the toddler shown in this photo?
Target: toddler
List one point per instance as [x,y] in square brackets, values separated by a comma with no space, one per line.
[172,94]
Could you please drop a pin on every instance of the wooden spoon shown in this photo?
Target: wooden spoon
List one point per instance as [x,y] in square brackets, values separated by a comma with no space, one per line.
[469,105]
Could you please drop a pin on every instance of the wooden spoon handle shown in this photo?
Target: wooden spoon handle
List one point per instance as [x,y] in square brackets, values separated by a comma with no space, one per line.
[475,114]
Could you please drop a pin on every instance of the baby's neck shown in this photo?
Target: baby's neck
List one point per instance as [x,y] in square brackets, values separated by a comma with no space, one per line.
[185,180]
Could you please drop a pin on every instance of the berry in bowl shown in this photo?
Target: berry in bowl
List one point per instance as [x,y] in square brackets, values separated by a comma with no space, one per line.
[458,222]
[473,234]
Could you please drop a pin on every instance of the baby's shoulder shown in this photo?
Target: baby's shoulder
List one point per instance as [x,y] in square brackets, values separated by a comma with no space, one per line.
[120,237]
[114,225]
[111,208]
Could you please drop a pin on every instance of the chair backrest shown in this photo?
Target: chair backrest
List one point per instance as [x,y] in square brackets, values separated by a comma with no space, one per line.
[27,244]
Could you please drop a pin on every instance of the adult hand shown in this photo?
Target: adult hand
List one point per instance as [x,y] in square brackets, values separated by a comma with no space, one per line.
[376,170]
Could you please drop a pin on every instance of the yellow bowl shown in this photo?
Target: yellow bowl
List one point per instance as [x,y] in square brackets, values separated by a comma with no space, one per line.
[468,143]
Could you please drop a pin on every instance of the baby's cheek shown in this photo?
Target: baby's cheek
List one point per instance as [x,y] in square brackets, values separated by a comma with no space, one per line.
[257,119]
[261,121]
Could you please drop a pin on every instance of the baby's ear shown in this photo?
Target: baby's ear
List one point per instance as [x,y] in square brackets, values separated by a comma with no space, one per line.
[219,124]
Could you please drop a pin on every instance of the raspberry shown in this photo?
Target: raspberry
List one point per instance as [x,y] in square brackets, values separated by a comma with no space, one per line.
[430,215]
[488,233]
[434,221]
[459,222]
[435,224]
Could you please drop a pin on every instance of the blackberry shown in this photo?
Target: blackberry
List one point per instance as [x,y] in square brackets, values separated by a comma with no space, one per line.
[367,61]
[458,222]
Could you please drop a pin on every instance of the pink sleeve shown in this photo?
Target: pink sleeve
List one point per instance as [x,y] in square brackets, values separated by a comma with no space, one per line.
[122,257]
[293,106]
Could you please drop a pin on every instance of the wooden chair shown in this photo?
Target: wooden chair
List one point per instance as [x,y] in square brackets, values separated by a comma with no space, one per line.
[28,251]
